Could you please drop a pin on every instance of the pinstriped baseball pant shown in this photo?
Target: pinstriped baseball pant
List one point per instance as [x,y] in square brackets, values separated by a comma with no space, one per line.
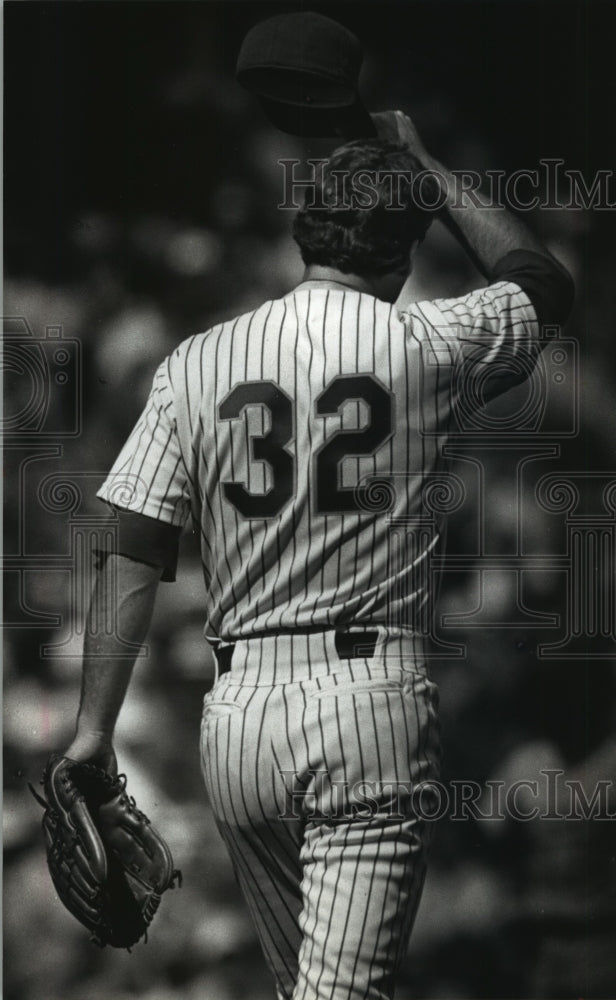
[313,764]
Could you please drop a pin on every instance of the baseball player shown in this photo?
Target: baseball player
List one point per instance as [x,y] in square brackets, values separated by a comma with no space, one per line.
[292,438]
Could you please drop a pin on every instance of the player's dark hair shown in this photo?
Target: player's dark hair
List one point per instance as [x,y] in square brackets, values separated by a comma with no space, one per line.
[367,209]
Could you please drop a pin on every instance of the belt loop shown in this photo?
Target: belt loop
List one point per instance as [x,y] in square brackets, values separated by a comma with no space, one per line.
[329,643]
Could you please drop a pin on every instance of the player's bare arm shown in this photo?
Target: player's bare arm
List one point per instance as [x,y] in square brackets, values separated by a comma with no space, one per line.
[126,589]
[488,234]
[109,865]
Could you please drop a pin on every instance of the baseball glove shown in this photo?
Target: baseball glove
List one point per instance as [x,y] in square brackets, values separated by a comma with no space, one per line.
[108,864]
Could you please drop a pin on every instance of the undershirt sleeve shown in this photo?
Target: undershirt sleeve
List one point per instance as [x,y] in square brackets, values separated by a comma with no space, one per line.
[546,283]
[145,539]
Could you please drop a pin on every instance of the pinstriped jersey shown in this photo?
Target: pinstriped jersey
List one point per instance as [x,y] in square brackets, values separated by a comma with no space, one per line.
[302,437]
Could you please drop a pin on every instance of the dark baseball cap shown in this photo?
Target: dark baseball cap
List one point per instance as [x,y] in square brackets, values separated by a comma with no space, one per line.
[304,68]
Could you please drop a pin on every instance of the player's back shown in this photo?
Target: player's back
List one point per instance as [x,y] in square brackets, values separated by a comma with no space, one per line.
[309,430]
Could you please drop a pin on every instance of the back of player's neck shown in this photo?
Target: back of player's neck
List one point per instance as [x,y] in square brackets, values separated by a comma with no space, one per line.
[318,275]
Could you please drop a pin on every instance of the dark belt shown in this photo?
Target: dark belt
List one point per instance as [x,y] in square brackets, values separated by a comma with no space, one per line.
[349,646]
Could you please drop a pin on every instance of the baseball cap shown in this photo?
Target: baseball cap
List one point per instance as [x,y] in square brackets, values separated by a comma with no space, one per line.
[304,68]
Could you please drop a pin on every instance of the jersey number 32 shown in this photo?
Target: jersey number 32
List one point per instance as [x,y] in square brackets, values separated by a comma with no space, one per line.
[271,447]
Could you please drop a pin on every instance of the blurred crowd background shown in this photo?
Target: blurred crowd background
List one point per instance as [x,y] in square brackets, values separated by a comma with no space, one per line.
[141,193]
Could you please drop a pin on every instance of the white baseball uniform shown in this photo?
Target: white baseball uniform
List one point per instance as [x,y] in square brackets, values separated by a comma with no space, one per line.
[295,436]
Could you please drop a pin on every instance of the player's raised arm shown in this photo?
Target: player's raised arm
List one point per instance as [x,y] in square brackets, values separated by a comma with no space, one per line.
[501,244]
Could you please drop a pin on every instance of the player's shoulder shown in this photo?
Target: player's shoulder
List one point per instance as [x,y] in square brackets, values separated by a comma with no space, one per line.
[491,299]
[218,333]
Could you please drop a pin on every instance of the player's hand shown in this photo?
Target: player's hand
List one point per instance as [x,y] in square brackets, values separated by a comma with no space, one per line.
[398,127]
[93,749]
[408,134]
[386,125]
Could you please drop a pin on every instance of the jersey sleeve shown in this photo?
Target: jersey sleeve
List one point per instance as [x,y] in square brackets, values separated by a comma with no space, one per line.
[147,486]
[490,322]
[491,335]
[502,323]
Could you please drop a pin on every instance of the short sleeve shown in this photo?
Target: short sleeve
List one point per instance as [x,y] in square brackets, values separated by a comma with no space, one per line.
[149,476]
[547,283]
[490,336]
[491,322]
[502,322]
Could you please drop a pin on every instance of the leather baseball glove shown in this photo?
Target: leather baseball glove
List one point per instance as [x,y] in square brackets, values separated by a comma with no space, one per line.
[107,862]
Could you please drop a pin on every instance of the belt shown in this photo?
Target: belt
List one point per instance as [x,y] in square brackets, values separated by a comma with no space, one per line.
[349,646]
